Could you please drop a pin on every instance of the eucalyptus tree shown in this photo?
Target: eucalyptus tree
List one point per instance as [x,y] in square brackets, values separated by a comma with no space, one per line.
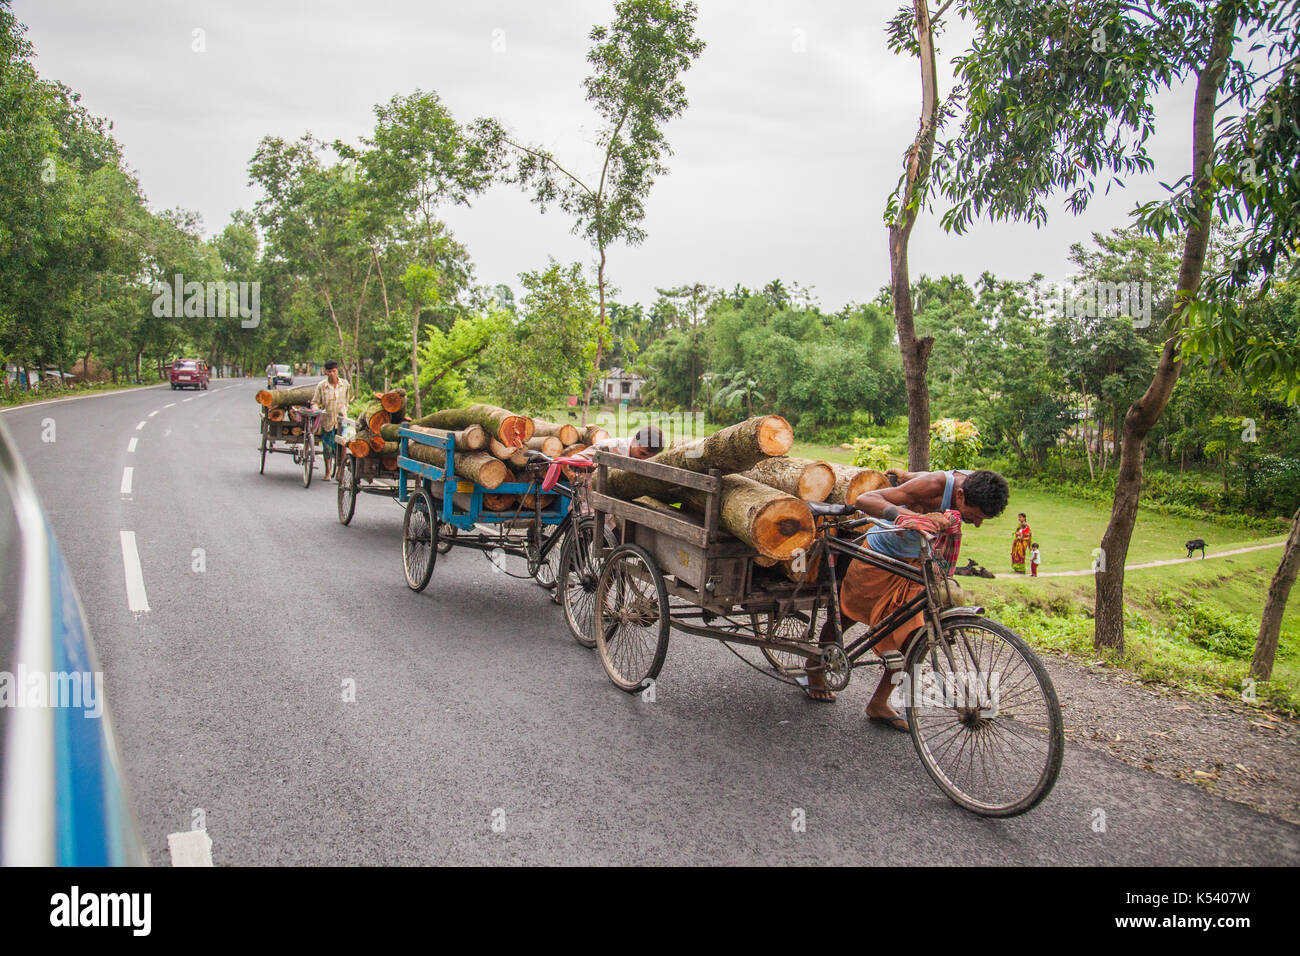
[1060,97]
[635,87]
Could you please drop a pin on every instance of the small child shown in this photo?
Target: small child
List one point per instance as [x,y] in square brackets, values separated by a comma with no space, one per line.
[1034,559]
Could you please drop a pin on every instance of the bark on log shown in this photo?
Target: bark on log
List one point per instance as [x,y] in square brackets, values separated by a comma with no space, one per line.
[566,433]
[574,449]
[805,479]
[734,449]
[467,439]
[515,456]
[475,465]
[851,482]
[773,523]
[549,445]
[592,434]
[283,397]
[509,428]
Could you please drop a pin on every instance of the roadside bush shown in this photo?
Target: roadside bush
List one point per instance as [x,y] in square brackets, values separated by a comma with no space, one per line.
[1214,629]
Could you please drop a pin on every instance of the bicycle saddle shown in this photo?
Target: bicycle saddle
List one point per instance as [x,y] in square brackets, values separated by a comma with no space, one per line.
[553,470]
[826,508]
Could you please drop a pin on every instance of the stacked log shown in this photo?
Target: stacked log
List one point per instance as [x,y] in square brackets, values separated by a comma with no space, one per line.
[552,446]
[284,397]
[508,428]
[851,482]
[771,522]
[805,479]
[734,449]
[472,438]
[567,434]
[488,471]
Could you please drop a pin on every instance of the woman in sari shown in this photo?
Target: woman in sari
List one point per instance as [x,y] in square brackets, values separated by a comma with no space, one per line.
[1020,544]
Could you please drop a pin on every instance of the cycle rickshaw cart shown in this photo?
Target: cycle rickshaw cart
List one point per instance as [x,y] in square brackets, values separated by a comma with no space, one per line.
[292,432]
[365,475]
[550,528]
[980,707]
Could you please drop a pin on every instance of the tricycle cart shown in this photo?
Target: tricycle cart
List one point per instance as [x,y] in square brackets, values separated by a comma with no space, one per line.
[980,707]
[361,476]
[549,527]
[293,434]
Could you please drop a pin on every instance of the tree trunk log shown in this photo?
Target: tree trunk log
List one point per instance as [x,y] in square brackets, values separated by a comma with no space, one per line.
[359,447]
[850,482]
[567,434]
[283,397]
[592,434]
[549,445]
[509,428]
[475,465]
[472,438]
[1270,625]
[805,479]
[773,523]
[394,401]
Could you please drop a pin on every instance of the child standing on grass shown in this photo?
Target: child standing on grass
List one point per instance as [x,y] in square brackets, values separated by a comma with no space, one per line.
[1034,559]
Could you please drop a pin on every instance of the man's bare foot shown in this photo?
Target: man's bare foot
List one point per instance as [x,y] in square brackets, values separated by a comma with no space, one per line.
[816,688]
[878,709]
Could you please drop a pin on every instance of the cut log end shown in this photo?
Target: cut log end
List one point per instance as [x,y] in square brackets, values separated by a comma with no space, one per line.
[782,527]
[775,436]
[263,397]
[816,482]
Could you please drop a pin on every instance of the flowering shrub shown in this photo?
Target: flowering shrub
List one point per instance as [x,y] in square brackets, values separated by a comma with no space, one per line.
[954,444]
[867,454]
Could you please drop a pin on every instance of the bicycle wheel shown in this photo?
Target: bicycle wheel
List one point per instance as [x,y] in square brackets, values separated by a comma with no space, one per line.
[578,577]
[419,540]
[445,533]
[262,469]
[631,618]
[984,716]
[795,626]
[308,458]
[348,484]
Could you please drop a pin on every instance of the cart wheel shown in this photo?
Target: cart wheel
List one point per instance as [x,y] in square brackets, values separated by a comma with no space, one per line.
[795,626]
[308,459]
[419,540]
[577,578]
[546,571]
[348,491]
[445,533]
[984,716]
[631,618]
[262,470]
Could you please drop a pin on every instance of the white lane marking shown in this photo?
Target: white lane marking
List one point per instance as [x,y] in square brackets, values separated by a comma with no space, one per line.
[136,599]
[141,425]
[169,405]
[131,447]
[190,399]
[190,848]
[126,479]
[153,413]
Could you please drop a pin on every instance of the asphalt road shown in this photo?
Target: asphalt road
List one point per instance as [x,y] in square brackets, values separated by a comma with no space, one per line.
[472,699]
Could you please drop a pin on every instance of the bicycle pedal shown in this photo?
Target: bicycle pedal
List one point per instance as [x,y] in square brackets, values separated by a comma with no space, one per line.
[893,661]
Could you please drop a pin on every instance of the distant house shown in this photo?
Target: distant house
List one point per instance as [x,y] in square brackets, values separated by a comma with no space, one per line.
[620,384]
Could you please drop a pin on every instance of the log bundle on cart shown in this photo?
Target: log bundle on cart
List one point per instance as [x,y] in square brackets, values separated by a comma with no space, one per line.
[764,493]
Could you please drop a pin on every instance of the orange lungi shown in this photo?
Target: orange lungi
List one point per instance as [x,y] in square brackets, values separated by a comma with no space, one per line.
[869,594]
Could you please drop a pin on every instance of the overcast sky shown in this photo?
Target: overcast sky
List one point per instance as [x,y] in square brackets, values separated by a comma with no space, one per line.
[793,139]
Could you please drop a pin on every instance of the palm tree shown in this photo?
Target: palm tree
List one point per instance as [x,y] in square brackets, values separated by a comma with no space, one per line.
[739,387]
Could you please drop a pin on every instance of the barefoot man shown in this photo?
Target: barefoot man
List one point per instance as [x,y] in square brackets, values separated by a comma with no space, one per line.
[869,594]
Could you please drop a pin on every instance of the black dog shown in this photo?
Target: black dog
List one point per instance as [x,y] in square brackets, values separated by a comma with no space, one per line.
[1194,545]
[974,570]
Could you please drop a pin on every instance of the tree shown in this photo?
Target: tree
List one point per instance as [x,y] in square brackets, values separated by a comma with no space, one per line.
[550,348]
[418,159]
[1059,96]
[636,89]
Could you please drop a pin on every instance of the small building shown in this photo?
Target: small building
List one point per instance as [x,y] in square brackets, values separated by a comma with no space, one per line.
[619,385]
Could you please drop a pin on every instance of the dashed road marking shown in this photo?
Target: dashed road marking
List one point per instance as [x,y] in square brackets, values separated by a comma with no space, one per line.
[126,479]
[190,848]
[131,446]
[141,425]
[169,405]
[136,599]
[190,399]
[153,413]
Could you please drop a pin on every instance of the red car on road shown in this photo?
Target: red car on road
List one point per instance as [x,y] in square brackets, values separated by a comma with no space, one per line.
[189,373]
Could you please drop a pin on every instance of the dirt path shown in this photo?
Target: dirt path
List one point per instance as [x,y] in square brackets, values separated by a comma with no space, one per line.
[1223,746]
[1148,564]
